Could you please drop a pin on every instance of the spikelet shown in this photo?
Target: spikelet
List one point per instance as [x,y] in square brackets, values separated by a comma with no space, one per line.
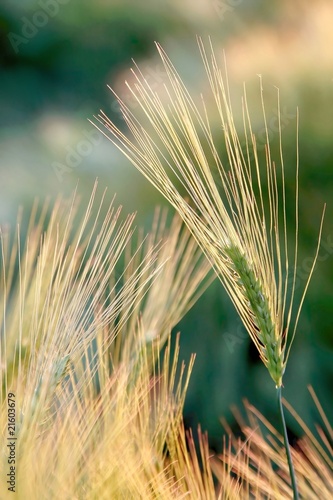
[226,213]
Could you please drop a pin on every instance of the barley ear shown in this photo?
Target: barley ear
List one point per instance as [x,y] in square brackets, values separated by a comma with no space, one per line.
[267,342]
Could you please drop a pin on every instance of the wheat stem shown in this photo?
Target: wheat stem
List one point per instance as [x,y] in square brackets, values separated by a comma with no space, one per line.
[287,446]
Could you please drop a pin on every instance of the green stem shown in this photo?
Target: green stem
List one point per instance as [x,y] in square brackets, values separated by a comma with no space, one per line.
[287,446]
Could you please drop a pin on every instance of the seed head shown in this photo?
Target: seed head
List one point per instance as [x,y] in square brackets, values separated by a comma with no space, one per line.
[235,207]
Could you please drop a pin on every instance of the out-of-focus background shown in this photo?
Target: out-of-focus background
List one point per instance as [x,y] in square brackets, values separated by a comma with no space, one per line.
[57,57]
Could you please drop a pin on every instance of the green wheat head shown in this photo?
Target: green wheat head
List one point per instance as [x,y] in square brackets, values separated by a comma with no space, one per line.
[234,204]
[268,343]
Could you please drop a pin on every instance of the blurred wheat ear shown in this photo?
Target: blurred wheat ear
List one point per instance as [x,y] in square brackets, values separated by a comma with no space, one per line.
[86,309]
[237,206]
[51,287]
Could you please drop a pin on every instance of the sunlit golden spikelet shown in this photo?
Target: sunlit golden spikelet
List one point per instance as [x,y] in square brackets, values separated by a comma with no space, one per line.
[50,289]
[233,216]
[193,470]
[90,424]
[112,446]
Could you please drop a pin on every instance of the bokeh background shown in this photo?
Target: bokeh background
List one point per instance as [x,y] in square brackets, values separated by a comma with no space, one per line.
[57,58]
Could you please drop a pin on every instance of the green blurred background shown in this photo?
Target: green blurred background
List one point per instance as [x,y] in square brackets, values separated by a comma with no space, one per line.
[57,57]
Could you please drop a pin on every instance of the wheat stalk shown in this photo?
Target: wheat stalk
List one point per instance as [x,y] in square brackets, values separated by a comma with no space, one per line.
[235,219]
